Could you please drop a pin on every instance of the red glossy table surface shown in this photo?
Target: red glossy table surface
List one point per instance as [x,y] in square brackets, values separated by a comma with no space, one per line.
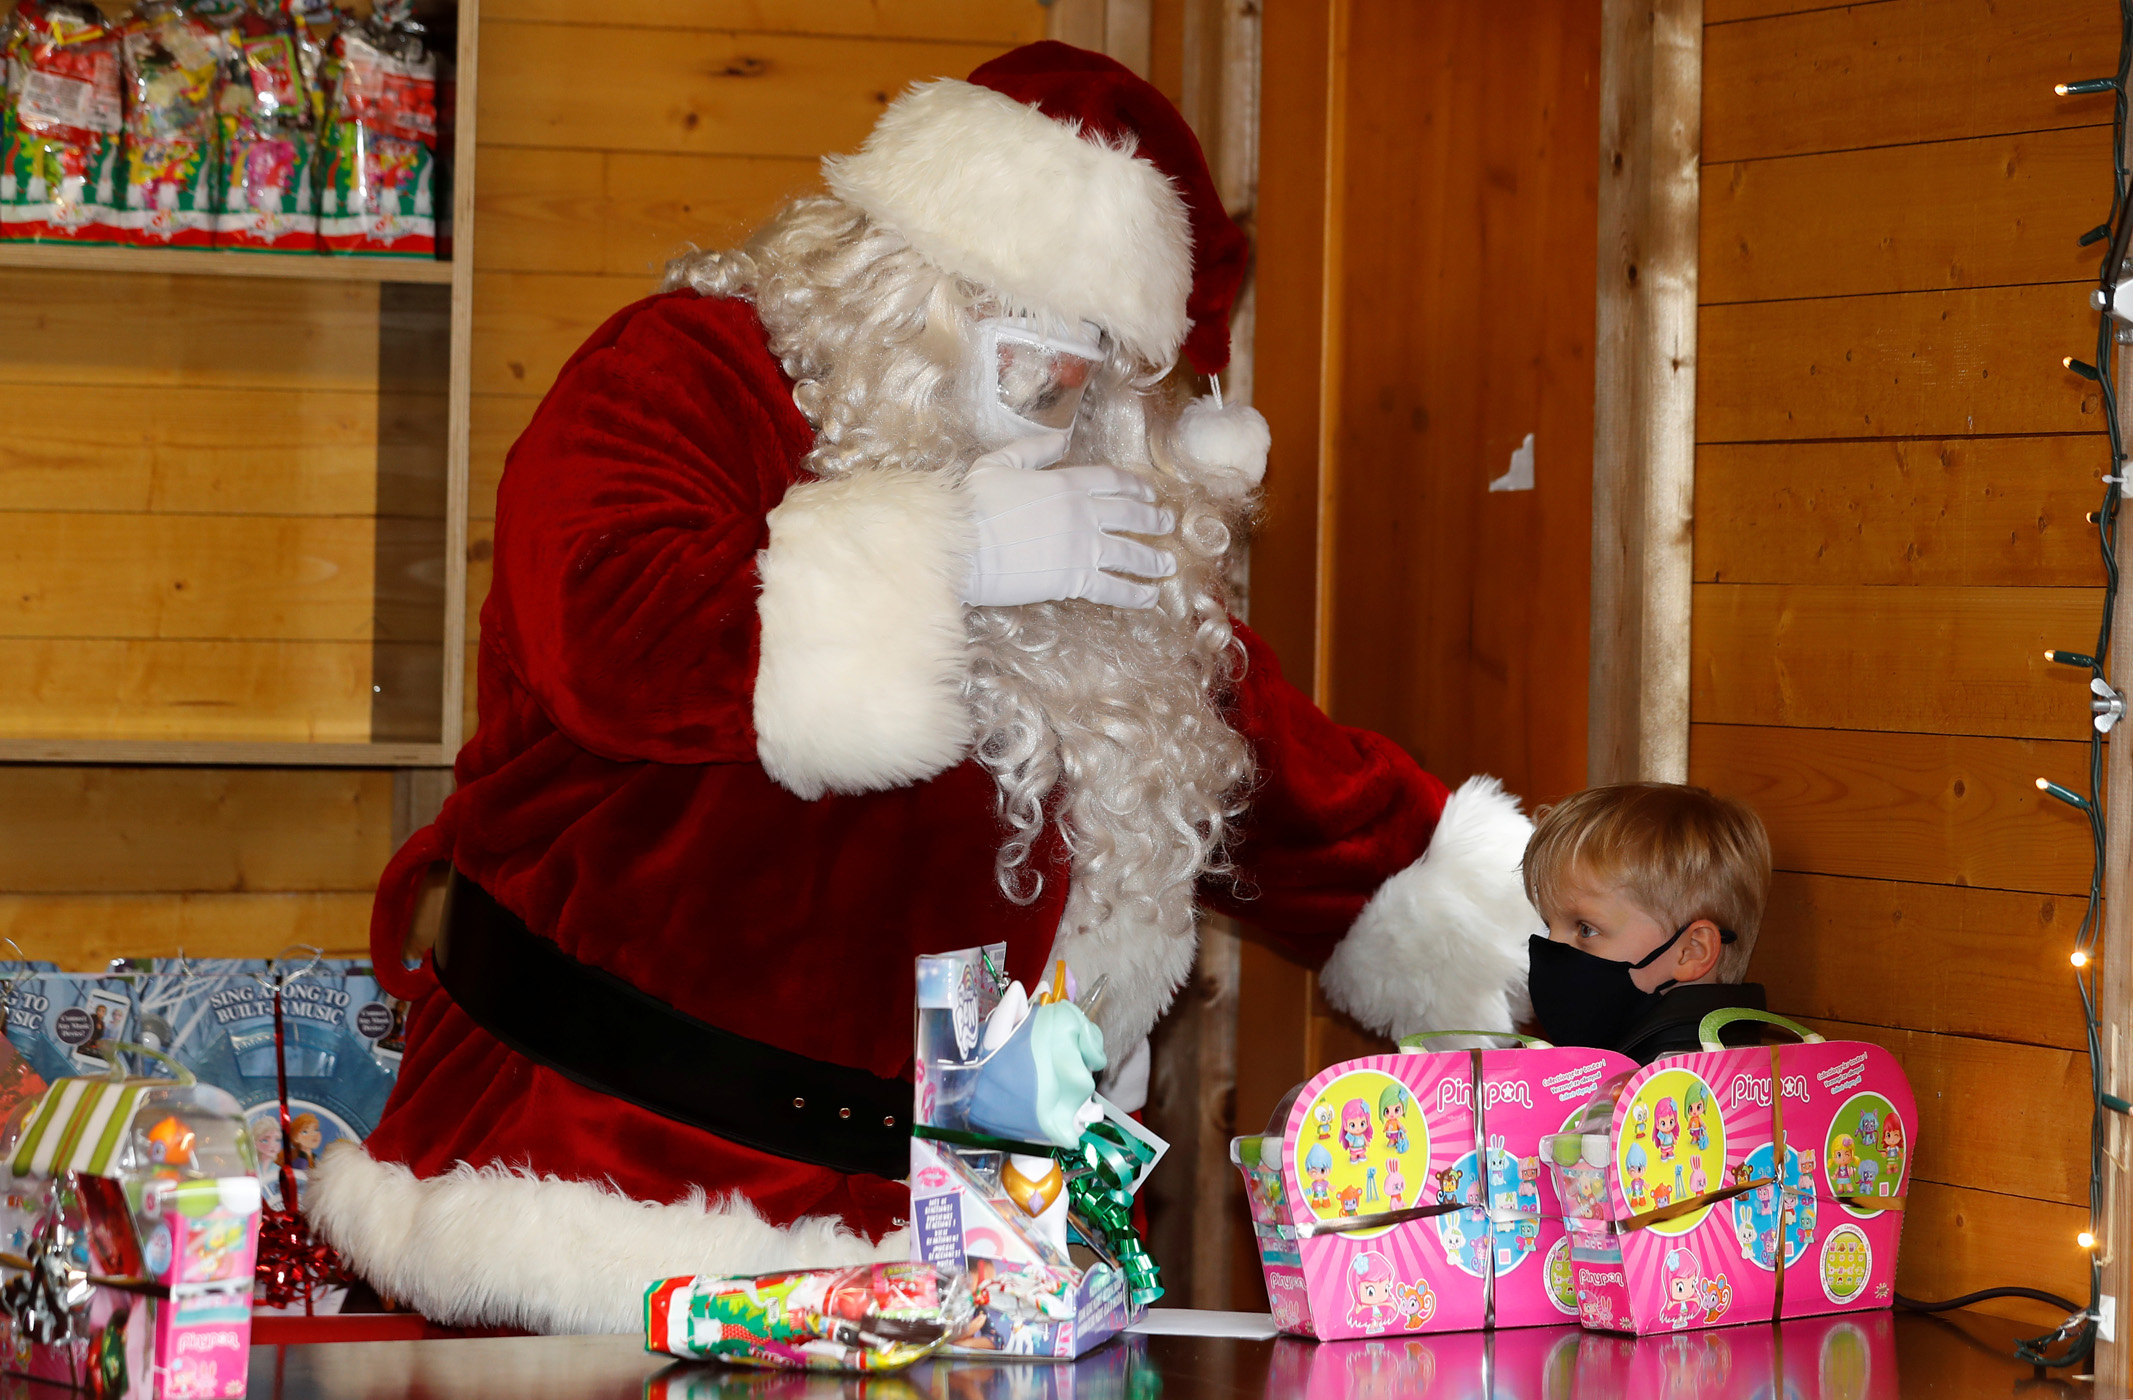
[1871,1356]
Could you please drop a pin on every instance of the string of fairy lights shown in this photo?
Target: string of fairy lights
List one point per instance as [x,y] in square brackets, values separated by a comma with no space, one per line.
[2074,1339]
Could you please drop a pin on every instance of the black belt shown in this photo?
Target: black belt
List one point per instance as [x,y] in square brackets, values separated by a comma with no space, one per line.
[597,1030]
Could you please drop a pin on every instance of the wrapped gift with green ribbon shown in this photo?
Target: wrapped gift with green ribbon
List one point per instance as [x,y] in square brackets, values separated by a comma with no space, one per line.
[1021,1174]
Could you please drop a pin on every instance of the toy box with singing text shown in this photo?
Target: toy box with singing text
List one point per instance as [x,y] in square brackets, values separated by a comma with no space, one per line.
[1729,1186]
[1397,1194]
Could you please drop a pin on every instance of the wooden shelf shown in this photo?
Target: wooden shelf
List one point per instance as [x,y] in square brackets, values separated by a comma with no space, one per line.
[210,263]
[215,753]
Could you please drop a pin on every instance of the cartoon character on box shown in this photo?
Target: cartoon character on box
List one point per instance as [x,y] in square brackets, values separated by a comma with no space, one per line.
[1355,1129]
[1640,1119]
[1892,1145]
[1447,1185]
[1666,1129]
[1395,1185]
[1351,1198]
[1869,1129]
[1417,1303]
[1317,1163]
[1694,1103]
[1843,1164]
[1869,1170]
[1684,1289]
[1373,1292]
[1324,1118]
[1392,1109]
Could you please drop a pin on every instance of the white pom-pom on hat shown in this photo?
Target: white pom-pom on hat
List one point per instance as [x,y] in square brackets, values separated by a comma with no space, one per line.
[1224,440]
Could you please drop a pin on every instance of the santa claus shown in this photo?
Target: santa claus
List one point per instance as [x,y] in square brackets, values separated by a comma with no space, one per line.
[862,596]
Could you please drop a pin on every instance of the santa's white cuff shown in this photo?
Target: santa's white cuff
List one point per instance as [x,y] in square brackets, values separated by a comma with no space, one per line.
[1442,944]
[504,1248]
[860,682]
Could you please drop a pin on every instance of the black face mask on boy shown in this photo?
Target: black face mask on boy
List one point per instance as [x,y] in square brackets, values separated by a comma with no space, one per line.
[1581,998]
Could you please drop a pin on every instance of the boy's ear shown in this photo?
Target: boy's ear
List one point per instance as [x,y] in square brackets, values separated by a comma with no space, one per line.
[1697,952]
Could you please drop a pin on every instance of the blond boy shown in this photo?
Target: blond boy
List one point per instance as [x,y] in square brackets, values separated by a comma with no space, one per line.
[1652,893]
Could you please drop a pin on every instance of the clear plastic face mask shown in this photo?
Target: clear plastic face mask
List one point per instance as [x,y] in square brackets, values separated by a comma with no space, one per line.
[1034,382]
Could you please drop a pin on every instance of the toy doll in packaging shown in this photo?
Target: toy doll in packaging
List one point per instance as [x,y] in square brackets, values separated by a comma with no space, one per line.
[171,66]
[60,153]
[1022,1176]
[1741,1185]
[1404,1193]
[130,1233]
[267,141]
[377,186]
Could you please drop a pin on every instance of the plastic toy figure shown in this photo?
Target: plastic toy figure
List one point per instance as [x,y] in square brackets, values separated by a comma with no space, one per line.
[1693,1104]
[1640,1119]
[1395,1185]
[170,1143]
[1892,1145]
[1698,1182]
[1351,1200]
[1317,1163]
[1869,1128]
[1666,1129]
[1843,1164]
[1392,1109]
[1355,1129]
[1869,1171]
[1324,1118]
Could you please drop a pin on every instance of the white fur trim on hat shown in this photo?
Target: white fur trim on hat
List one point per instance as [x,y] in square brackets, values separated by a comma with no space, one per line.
[860,683]
[504,1248]
[1052,222]
[1442,944]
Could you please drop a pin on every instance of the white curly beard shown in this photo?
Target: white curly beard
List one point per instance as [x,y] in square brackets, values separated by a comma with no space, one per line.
[1102,722]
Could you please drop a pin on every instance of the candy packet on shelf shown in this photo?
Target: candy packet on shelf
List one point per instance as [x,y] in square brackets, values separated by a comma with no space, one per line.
[60,154]
[377,183]
[268,143]
[172,58]
[870,1317]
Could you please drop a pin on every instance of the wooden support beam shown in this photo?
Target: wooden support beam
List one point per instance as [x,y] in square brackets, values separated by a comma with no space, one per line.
[1644,421]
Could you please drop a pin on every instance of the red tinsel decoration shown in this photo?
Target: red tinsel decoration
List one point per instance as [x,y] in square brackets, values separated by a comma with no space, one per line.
[293,1263]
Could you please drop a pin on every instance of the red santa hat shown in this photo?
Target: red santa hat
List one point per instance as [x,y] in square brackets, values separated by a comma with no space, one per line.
[1072,188]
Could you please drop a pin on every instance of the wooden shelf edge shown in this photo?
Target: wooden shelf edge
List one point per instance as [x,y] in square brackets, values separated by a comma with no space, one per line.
[63,257]
[224,753]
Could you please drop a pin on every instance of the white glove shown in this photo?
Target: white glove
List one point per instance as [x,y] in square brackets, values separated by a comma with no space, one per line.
[1044,535]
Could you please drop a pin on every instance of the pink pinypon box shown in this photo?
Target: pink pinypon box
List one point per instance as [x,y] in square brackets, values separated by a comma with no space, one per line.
[1383,1139]
[1707,1130]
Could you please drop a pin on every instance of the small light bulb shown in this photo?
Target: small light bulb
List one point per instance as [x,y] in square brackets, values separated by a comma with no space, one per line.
[2081,959]
[2085,1240]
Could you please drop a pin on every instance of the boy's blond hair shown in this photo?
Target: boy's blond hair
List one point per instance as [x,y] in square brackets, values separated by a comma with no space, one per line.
[1680,853]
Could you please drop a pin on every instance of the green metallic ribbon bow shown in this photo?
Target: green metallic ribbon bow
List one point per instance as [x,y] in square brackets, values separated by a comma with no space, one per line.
[1100,1171]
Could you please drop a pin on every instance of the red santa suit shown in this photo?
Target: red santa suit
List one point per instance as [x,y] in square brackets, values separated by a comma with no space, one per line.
[722,755]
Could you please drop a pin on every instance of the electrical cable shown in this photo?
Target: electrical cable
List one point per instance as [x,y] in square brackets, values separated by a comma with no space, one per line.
[2074,1339]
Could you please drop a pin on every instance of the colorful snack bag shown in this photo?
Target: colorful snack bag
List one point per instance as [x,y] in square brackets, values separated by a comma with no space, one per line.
[60,156]
[871,1317]
[171,64]
[377,186]
[267,141]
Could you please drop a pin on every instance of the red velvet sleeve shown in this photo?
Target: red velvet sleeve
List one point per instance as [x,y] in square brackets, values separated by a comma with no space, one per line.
[627,526]
[1334,813]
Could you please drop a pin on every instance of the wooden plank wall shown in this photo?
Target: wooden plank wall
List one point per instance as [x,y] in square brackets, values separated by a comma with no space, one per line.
[613,138]
[188,502]
[1892,471]
[1421,309]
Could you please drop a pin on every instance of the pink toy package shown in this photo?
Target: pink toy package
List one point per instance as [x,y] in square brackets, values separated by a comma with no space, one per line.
[1740,1185]
[1398,1194]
